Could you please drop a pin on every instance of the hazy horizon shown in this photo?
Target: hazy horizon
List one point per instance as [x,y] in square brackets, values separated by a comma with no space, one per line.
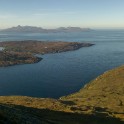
[95,14]
[94,28]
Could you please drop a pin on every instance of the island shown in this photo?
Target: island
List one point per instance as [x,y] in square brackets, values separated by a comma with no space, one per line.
[34,29]
[24,52]
[99,102]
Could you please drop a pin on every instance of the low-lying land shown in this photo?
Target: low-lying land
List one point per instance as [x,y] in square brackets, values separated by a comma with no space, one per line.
[14,58]
[22,52]
[42,47]
[99,102]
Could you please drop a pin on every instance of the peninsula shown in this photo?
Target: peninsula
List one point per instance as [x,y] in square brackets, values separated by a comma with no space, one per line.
[22,52]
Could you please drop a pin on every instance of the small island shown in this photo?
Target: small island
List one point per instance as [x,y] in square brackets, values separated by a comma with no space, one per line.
[23,52]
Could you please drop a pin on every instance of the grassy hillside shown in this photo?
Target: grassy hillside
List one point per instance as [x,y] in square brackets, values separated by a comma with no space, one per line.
[99,102]
[105,94]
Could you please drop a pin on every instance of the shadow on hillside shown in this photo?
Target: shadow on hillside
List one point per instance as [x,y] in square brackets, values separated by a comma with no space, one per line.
[15,114]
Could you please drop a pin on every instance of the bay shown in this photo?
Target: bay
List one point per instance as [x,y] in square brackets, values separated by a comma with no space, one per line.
[63,73]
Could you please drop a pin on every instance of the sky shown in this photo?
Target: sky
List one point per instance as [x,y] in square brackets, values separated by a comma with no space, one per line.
[62,13]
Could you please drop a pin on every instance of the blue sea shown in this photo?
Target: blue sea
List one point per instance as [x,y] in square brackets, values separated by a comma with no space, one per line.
[64,73]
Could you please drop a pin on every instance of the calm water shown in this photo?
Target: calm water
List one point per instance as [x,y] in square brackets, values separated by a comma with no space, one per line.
[63,73]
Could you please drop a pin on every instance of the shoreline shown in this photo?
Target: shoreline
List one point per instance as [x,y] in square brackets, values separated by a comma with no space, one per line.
[91,101]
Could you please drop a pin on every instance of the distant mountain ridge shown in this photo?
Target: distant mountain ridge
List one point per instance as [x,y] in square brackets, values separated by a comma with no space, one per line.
[33,29]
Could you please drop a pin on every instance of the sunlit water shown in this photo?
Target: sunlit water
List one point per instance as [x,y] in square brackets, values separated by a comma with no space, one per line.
[63,73]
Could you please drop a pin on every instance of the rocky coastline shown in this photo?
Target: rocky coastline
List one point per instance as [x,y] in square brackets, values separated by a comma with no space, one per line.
[16,58]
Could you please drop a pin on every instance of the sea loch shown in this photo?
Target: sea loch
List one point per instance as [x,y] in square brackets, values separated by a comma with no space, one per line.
[63,73]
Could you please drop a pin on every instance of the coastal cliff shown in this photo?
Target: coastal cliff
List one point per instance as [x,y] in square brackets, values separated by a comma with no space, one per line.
[99,102]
